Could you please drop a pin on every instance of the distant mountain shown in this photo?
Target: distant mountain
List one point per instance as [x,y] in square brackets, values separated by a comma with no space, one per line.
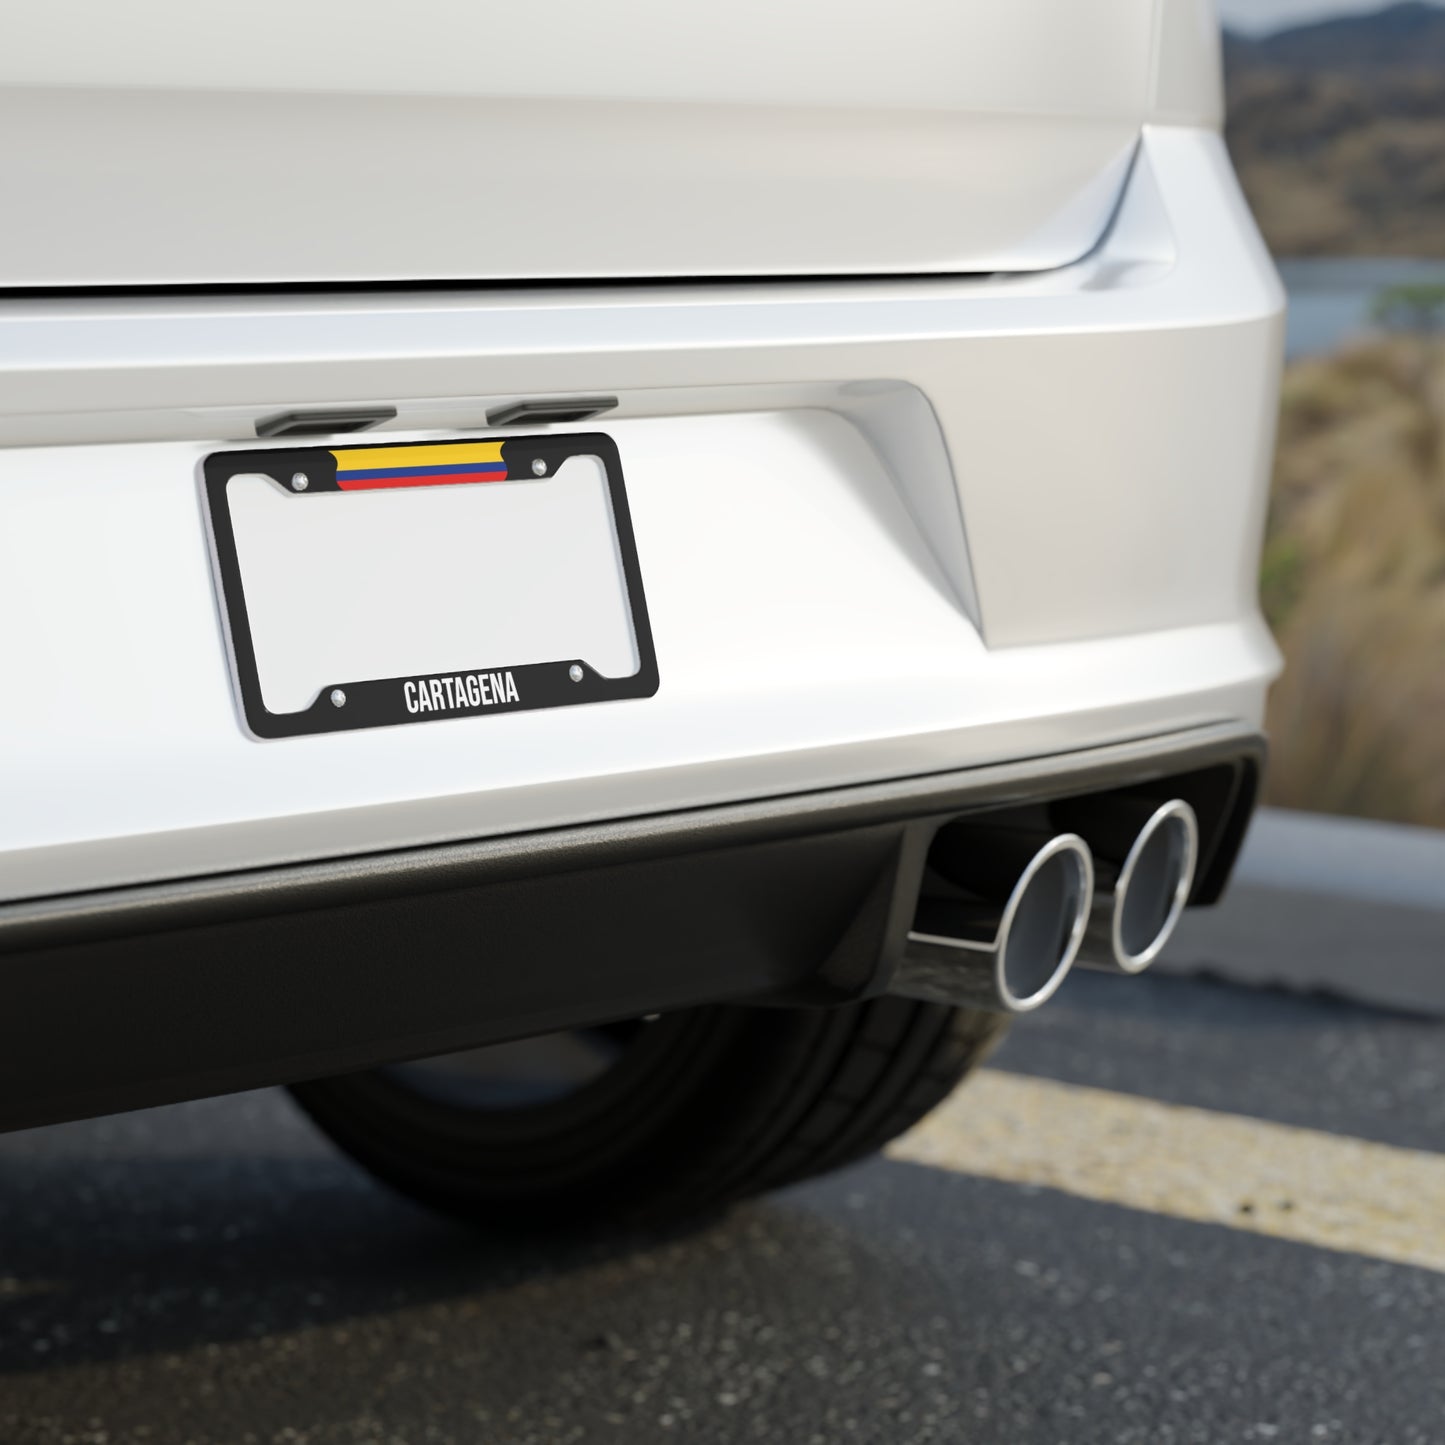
[1410,34]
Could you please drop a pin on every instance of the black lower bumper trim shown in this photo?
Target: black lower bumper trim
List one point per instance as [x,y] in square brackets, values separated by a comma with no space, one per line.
[141,996]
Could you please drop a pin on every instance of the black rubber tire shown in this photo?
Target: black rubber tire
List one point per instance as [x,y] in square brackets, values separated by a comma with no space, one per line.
[706,1108]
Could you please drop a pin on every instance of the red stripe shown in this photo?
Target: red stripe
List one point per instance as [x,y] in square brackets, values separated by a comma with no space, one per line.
[370,484]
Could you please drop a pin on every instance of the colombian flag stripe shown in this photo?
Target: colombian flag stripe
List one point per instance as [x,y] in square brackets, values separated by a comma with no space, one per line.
[354,483]
[365,468]
[372,474]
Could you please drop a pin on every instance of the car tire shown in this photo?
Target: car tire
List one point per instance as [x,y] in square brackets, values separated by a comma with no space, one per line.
[697,1110]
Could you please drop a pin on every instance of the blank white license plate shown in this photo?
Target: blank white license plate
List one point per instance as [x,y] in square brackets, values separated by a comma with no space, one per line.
[367,586]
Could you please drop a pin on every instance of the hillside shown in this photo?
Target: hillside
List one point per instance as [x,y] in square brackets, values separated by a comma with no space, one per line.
[1354,584]
[1337,130]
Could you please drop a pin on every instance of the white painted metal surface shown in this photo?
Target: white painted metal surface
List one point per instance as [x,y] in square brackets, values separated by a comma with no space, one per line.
[339,140]
[1106,429]
[885,530]
[804,639]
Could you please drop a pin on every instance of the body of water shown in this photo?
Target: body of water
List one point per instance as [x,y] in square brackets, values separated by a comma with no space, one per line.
[1330,300]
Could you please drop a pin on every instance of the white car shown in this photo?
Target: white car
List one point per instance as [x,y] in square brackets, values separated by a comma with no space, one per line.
[679,564]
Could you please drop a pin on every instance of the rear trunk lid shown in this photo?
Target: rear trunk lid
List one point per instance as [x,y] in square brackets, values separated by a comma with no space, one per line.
[472,140]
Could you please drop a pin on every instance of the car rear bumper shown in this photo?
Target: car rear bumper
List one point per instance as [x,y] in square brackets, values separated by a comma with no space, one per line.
[887,530]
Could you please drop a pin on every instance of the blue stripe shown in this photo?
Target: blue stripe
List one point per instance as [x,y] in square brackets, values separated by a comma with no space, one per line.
[378,473]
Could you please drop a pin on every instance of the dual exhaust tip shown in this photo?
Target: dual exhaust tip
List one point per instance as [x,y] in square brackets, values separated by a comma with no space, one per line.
[1004,917]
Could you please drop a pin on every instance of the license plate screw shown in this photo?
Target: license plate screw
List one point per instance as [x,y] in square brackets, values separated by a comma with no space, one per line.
[338,698]
[575,673]
[300,481]
[539,467]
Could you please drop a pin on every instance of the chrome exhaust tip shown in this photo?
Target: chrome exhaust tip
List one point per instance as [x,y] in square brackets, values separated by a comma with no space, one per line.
[1138,904]
[1010,959]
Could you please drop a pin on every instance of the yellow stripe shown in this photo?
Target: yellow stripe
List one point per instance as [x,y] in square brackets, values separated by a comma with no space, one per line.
[365,458]
[1298,1184]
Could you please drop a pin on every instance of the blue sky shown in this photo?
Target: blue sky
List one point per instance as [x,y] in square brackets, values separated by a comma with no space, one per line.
[1257,16]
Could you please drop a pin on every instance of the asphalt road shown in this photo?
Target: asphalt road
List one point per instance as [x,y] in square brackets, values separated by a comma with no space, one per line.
[213,1272]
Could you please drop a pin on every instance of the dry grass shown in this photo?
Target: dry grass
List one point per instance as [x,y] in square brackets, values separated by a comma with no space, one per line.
[1354,584]
[1342,165]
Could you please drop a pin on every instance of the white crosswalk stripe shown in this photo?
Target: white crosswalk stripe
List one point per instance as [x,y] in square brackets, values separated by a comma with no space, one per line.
[1297,1184]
